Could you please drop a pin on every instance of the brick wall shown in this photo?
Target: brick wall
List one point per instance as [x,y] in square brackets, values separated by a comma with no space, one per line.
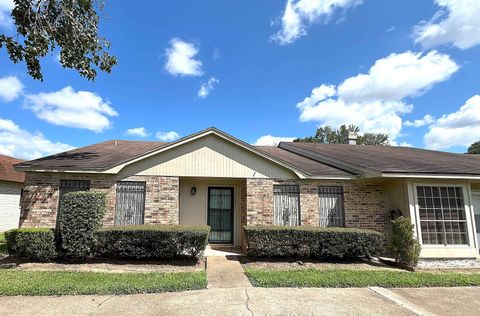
[39,201]
[365,205]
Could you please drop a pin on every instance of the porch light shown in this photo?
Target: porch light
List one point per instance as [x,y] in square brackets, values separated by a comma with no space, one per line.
[193,190]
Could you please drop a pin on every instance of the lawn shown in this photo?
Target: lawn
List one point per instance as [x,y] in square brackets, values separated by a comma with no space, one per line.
[358,278]
[72,283]
[3,244]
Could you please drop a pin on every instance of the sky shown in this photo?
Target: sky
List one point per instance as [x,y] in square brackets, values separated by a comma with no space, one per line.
[262,71]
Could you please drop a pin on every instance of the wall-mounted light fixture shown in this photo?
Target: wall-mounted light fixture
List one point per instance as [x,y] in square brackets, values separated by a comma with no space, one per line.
[193,191]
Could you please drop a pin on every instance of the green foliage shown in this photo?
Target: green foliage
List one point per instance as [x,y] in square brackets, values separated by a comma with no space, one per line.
[358,278]
[80,217]
[14,282]
[32,243]
[70,25]
[3,243]
[474,148]
[281,241]
[404,246]
[330,135]
[152,241]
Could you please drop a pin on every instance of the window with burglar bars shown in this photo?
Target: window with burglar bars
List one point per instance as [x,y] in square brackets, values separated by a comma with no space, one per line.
[331,208]
[286,205]
[130,203]
[73,186]
[442,215]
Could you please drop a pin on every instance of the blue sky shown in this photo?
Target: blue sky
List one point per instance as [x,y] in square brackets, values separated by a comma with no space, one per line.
[268,68]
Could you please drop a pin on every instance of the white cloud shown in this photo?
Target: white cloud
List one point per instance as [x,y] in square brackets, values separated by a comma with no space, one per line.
[299,14]
[6,7]
[460,128]
[67,107]
[10,88]
[459,27]
[375,101]
[167,136]
[207,87]
[181,59]
[137,131]
[269,140]
[17,142]
[426,120]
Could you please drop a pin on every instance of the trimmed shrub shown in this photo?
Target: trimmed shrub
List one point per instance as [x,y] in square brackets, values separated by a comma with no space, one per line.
[80,217]
[404,247]
[152,241]
[281,241]
[32,243]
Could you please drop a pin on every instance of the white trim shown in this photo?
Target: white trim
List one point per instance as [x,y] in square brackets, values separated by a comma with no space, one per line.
[429,175]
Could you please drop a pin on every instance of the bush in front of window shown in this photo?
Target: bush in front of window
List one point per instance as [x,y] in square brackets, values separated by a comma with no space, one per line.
[152,241]
[32,243]
[404,247]
[79,218]
[316,242]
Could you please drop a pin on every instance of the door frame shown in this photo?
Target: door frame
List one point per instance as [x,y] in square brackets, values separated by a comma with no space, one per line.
[477,229]
[232,204]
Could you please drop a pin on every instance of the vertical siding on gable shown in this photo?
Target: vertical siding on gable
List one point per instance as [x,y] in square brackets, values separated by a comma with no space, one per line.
[9,205]
[209,156]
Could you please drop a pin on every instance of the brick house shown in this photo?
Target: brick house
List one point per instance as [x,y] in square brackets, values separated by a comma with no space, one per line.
[213,178]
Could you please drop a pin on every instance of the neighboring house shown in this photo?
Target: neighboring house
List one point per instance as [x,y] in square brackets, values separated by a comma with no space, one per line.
[11,183]
[213,178]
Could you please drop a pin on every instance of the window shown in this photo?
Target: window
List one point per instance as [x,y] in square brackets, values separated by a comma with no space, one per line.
[441,211]
[73,186]
[130,203]
[286,205]
[331,210]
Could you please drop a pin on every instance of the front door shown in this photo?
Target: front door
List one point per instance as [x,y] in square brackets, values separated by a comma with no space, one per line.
[220,215]
[476,210]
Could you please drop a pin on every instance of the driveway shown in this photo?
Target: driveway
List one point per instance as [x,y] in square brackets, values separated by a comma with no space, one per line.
[255,301]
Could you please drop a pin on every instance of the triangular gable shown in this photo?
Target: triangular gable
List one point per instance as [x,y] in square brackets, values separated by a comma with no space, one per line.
[209,153]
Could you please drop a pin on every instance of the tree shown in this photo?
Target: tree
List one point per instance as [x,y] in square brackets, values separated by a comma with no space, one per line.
[70,25]
[474,148]
[330,135]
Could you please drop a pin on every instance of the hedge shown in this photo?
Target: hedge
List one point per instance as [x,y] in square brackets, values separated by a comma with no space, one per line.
[404,247]
[33,243]
[280,241]
[80,217]
[152,241]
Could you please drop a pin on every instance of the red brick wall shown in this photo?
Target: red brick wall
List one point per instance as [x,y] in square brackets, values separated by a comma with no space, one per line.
[39,201]
[365,204]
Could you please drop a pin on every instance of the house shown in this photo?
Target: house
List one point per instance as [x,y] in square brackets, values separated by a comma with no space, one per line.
[213,178]
[11,183]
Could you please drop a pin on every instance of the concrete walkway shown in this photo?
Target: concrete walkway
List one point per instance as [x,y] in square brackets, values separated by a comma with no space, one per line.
[225,272]
[254,301]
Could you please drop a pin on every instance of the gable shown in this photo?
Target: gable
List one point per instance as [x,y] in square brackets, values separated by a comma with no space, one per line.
[208,156]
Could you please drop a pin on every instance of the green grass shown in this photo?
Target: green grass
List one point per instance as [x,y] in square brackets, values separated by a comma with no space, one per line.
[358,278]
[73,283]
[3,243]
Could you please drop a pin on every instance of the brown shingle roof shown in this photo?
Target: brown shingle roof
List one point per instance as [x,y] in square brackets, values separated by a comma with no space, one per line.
[308,165]
[7,173]
[100,156]
[390,159]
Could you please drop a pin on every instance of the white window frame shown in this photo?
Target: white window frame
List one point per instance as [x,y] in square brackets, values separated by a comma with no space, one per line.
[467,205]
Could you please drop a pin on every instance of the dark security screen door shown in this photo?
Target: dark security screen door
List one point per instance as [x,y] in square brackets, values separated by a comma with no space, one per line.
[220,215]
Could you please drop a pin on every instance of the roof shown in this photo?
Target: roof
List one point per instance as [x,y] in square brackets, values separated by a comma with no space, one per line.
[309,165]
[7,172]
[308,160]
[112,156]
[98,156]
[391,159]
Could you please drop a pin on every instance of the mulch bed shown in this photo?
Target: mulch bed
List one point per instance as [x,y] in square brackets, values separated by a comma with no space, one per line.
[105,265]
[307,263]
